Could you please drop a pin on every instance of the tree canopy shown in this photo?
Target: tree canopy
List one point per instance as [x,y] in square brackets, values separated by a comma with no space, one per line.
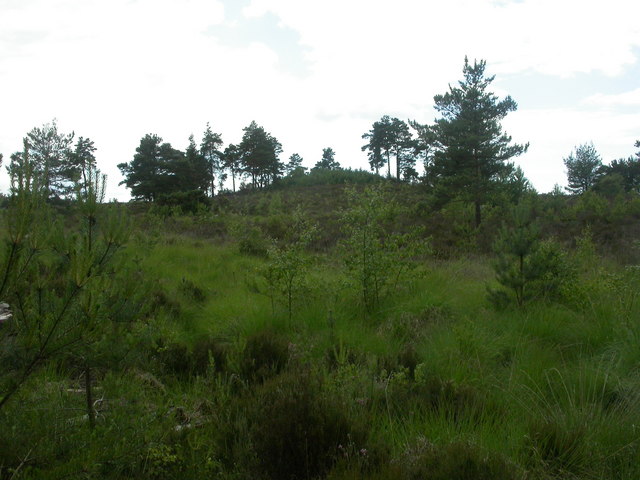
[626,170]
[584,166]
[159,169]
[50,152]
[56,160]
[210,150]
[471,152]
[232,162]
[328,160]
[259,152]
[294,166]
[390,136]
[466,155]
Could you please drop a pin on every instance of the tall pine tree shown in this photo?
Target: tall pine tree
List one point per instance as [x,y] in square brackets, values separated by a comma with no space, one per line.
[584,167]
[259,152]
[210,150]
[471,152]
[51,153]
[390,136]
[328,161]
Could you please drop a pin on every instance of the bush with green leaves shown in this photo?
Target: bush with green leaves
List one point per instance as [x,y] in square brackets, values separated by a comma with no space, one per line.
[251,240]
[376,256]
[325,176]
[288,262]
[186,202]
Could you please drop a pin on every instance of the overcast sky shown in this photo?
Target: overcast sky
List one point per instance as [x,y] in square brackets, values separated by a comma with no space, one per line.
[316,74]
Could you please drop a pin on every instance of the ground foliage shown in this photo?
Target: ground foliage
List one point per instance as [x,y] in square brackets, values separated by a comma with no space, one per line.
[197,373]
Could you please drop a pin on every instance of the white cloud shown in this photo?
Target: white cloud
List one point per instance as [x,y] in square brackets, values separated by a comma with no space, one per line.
[116,70]
[548,36]
[626,99]
[554,133]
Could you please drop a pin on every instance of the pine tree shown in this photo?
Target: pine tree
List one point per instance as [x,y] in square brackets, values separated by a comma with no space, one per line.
[400,144]
[159,169]
[375,146]
[423,143]
[259,153]
[232,162]
[210,149]
[584,167]
[294,165]
[140,175]
[527,268]
[51,154]
[62,278]
[389,136]
[628,170]
[84,159]
[471,152]
[328,161]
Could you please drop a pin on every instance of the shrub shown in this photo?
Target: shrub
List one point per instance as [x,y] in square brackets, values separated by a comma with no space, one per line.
[288,263]
[429,392]
[453,461]
[208,353]
[160,300]
[191,201]
[193,291]
[527,269]
[376,258]
[265,354]
[161,462]
[175,358]
[339,355]
[558,447]
[297,432]
[409,358]
[328,177]
[409,326]
[251,240]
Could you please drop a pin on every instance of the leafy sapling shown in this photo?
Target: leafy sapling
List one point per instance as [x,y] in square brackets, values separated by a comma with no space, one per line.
[289,262]
[376,257]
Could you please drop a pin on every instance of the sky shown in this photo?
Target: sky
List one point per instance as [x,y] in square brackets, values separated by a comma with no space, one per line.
[316,74]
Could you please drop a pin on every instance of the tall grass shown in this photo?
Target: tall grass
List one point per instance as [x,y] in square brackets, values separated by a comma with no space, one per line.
[432,384]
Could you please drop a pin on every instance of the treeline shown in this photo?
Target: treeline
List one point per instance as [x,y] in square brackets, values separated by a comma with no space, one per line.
[465,155]
[585,171]
[53,159]
[158,170]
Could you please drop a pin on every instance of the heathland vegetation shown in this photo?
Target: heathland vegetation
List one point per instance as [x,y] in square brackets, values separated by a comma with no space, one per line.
[453,324]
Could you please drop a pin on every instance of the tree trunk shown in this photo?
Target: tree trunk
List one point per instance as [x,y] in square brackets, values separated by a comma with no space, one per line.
[89,394]
[477,188]
[520,291]
[388,166]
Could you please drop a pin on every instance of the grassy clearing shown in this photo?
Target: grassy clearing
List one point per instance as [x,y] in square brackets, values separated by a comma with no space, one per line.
[546,387]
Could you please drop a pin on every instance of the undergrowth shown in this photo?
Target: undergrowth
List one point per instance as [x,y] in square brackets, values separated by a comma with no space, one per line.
[213,379]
